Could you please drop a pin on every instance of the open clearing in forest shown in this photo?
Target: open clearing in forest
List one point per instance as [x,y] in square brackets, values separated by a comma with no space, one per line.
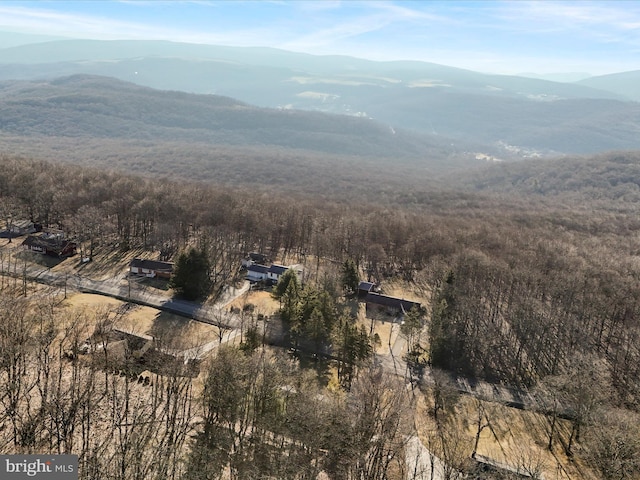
[517,438]
[108,262]
[261,300]
[176,330]
[408,291]
[381,324]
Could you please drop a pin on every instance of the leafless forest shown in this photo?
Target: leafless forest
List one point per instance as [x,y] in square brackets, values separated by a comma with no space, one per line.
[534,284]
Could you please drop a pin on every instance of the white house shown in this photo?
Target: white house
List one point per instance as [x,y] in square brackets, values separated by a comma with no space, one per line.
[272,274]
[275,272]
[256,273]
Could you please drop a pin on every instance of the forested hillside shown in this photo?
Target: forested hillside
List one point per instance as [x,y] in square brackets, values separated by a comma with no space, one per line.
[611,181]
[100,107]
[469,107]
[624,83]
[527,291]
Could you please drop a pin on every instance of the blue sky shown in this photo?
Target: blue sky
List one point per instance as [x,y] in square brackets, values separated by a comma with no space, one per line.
[490,36]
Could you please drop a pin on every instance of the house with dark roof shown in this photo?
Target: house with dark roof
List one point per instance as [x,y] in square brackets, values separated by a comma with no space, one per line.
[365,287]
[151,268]
[391,305]
[256,273]
[275,272]
[54,245]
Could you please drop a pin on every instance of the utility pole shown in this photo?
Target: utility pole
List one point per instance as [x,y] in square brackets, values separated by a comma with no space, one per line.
[24,278]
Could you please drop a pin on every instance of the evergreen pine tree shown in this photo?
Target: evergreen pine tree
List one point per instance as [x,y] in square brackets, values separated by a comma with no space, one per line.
[190,278]
[350,277]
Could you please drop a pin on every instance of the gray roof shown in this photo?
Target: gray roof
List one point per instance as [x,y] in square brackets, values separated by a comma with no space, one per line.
[393,302]
[257,257]
[152,265]
[278,269]
[22,224]
[257,268]
[367,286]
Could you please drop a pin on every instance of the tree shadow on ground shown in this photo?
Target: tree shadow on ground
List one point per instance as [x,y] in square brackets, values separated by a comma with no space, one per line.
[165,324]
[8,234]
[319,365]
[104,259]
[46,261]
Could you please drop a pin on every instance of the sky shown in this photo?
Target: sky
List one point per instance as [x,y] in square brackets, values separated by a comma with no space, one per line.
[507,37]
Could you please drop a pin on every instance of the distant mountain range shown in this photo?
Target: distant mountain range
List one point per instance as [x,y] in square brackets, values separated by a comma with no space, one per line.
[625,83]
[101,121]
[509,114]
[87,106]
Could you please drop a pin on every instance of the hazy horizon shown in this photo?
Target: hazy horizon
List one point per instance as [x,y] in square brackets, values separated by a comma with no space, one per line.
[562,40]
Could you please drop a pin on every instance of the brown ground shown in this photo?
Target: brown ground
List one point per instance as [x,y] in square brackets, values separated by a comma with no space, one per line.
[108,262]
[382,325]
[520,438]
[408,291]
[183,332]
[262,301]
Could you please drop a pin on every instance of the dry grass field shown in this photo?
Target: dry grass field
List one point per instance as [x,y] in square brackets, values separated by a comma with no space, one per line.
[517,439]
[180,332]
[108,262]
[261,300]
[382,325]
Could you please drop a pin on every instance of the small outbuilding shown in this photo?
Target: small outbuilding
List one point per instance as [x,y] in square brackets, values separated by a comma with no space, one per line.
[22,227]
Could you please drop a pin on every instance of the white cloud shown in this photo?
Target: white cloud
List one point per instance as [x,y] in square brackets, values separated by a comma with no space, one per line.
[589,18]
[51,22]
[332,35]
[356,19]
[29,20]
[452,34]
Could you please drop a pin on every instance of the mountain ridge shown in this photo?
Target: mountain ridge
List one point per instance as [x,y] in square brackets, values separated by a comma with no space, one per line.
[622,83]
[91,120]
[70,51]
[507,113]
